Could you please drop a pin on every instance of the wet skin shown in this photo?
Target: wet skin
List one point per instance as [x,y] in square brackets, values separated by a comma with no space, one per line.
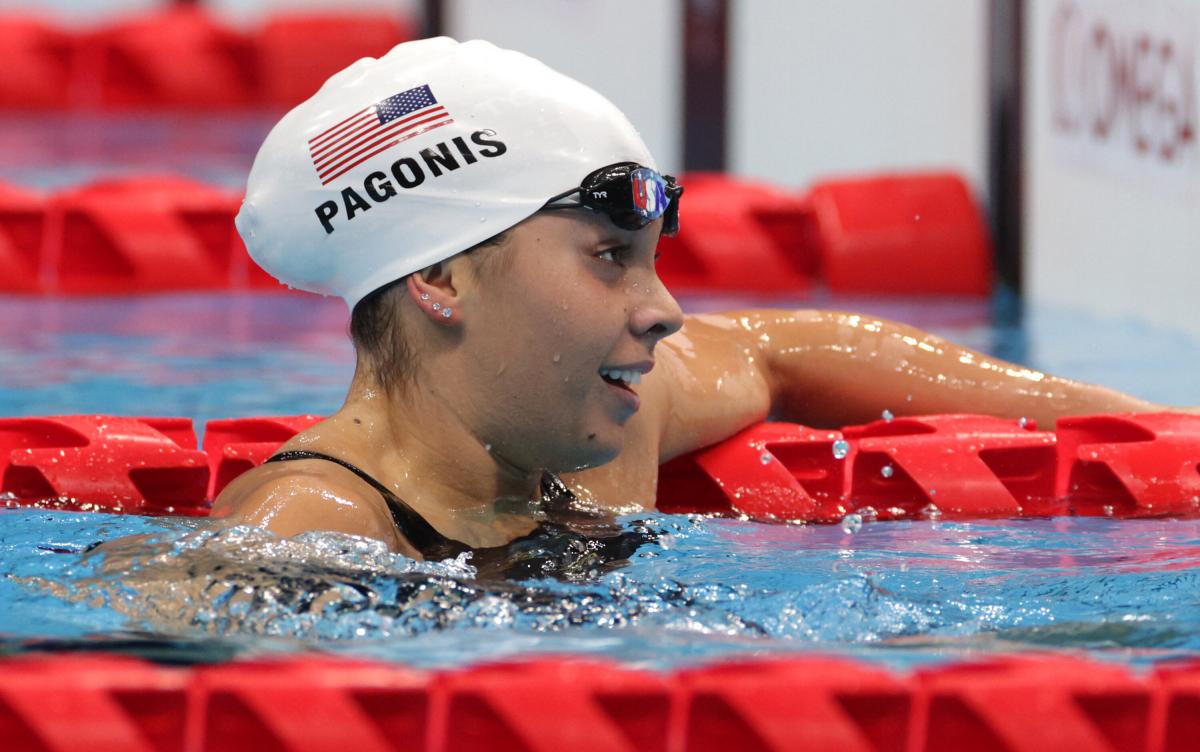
[510,386]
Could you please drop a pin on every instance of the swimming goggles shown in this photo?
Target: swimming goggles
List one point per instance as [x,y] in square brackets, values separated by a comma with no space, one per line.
[631,195]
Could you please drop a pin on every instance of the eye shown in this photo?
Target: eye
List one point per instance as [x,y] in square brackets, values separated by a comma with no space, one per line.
[616,254]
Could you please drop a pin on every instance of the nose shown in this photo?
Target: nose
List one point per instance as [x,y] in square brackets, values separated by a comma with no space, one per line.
[656,314]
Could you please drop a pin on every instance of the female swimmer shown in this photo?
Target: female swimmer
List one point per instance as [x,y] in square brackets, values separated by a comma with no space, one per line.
[492,226]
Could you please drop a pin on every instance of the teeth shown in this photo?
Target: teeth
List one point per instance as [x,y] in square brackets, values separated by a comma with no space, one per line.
[629,377]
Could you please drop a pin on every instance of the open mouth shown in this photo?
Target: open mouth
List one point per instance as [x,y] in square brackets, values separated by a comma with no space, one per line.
[621,378]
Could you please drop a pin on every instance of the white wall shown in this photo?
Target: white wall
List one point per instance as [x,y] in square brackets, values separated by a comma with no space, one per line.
[250,12]
[628,50]
[835,86]
[1110,228]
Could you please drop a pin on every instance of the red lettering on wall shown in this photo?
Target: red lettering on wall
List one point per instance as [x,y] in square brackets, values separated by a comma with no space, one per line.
[1121,85]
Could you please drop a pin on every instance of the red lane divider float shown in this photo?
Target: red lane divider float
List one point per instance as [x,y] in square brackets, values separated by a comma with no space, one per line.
[581,705]
[1180,728]
[37,64]
[963,465]
[60,703]
[768,471]
[1036,704]
[147,234]
[310,705]
[132,235]
[952,466]
[238,444]
[1031,703]
[296,52]
[103,463]
[22,227]
[915,233]
[184,58]
[179,58]
[801,704]
[1130,466]
[725,244]
[956,466]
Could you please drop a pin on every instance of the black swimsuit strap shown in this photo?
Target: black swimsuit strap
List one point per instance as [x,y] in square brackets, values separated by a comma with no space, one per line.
[433,545]
[553,548]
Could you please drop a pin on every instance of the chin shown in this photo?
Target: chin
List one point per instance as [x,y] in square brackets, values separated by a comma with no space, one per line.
[592,453]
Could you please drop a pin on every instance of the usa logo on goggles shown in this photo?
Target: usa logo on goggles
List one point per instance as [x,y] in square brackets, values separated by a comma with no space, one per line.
[631,195]
[649,193]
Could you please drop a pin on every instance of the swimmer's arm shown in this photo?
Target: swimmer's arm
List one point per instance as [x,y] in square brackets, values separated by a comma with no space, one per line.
[723,372]
[295,503]
[828,369]
[710,382]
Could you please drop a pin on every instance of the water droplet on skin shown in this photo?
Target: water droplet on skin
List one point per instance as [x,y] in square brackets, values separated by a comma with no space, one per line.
[851,524]
[556,357]
[487,447]
[887,471]
[841,448]
[765,458]
[908,398]
[887,415]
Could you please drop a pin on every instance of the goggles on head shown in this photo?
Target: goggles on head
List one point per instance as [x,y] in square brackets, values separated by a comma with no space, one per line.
[631,195]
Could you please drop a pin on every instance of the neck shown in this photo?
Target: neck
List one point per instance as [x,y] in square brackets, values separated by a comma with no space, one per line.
[425,450]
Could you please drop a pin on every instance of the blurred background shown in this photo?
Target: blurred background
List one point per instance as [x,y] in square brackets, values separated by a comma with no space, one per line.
[1070,123]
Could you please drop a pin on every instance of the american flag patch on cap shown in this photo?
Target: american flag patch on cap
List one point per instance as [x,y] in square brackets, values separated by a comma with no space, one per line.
[374,129]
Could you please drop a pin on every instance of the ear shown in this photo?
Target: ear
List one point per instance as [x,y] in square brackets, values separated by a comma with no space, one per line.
[432,289]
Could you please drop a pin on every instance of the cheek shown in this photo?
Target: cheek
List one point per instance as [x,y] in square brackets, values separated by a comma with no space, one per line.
[553,324]
[584,331]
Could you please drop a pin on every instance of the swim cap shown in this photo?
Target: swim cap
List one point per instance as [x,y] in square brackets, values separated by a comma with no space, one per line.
[399,162]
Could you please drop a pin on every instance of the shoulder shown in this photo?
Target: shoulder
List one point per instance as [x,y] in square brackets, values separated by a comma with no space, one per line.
[289,498]
[715,378]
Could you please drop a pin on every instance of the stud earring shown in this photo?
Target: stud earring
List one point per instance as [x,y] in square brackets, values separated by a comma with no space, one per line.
[437,306]
[424,296]
[446,312]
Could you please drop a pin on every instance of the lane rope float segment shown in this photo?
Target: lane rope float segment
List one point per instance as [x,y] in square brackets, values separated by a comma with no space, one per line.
[1025,703]
[949,466]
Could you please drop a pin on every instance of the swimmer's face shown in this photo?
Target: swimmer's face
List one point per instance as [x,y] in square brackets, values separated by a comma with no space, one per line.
[575,297]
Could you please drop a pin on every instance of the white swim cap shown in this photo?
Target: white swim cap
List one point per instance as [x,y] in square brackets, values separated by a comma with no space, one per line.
[403,161]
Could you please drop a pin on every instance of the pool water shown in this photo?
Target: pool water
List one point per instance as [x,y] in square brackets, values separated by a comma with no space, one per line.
[894,592]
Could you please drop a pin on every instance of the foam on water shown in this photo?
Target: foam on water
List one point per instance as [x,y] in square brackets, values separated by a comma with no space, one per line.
[898,592]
